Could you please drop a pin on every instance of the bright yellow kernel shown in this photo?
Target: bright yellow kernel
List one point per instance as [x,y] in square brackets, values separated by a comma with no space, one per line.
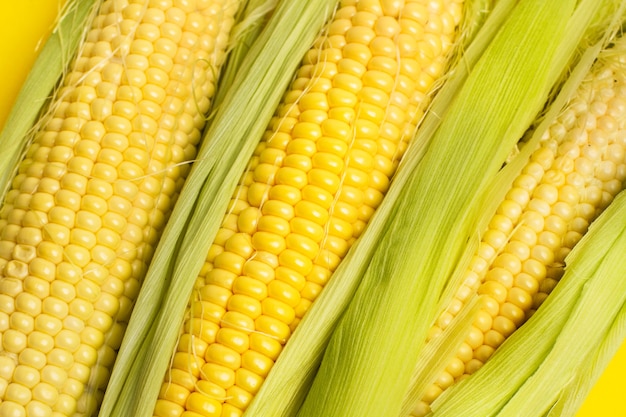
[278,310]
[204,406]
[234,339]
[239,321]
[167,408]
[222,355]
[219,375]
[244,304]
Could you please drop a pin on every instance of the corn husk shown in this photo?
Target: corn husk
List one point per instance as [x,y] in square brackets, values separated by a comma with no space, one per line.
[592,367]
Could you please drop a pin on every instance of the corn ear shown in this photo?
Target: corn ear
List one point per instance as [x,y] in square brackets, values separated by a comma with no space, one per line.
[296,366]
[364,365]
[582,18]
[227,146]
[549,349]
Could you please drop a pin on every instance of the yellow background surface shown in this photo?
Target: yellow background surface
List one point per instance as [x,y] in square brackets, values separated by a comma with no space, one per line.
[24,25]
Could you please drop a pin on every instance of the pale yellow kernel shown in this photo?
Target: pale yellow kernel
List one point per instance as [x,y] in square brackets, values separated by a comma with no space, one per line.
[455,367]
[525,235]
[22,322]
[61,358]
[32,358]
[474,338]
[512,312]
[100,321]
[26,376]
[494,290]
[40,341]
[510,208]
[542,254]
[18,396]
[14,341]
[28,303]
[504,326]
[494,338]
[53,375]
[534,268]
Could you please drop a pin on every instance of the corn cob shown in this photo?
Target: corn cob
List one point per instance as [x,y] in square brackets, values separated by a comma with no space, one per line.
[577,170]
[90,199]
[315,179]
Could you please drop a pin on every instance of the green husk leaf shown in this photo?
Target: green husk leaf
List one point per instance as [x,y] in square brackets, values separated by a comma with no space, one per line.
[296,366]
[548,351]
[250,22]
[573,396]
[370,358]
[227,146]
[38,87]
